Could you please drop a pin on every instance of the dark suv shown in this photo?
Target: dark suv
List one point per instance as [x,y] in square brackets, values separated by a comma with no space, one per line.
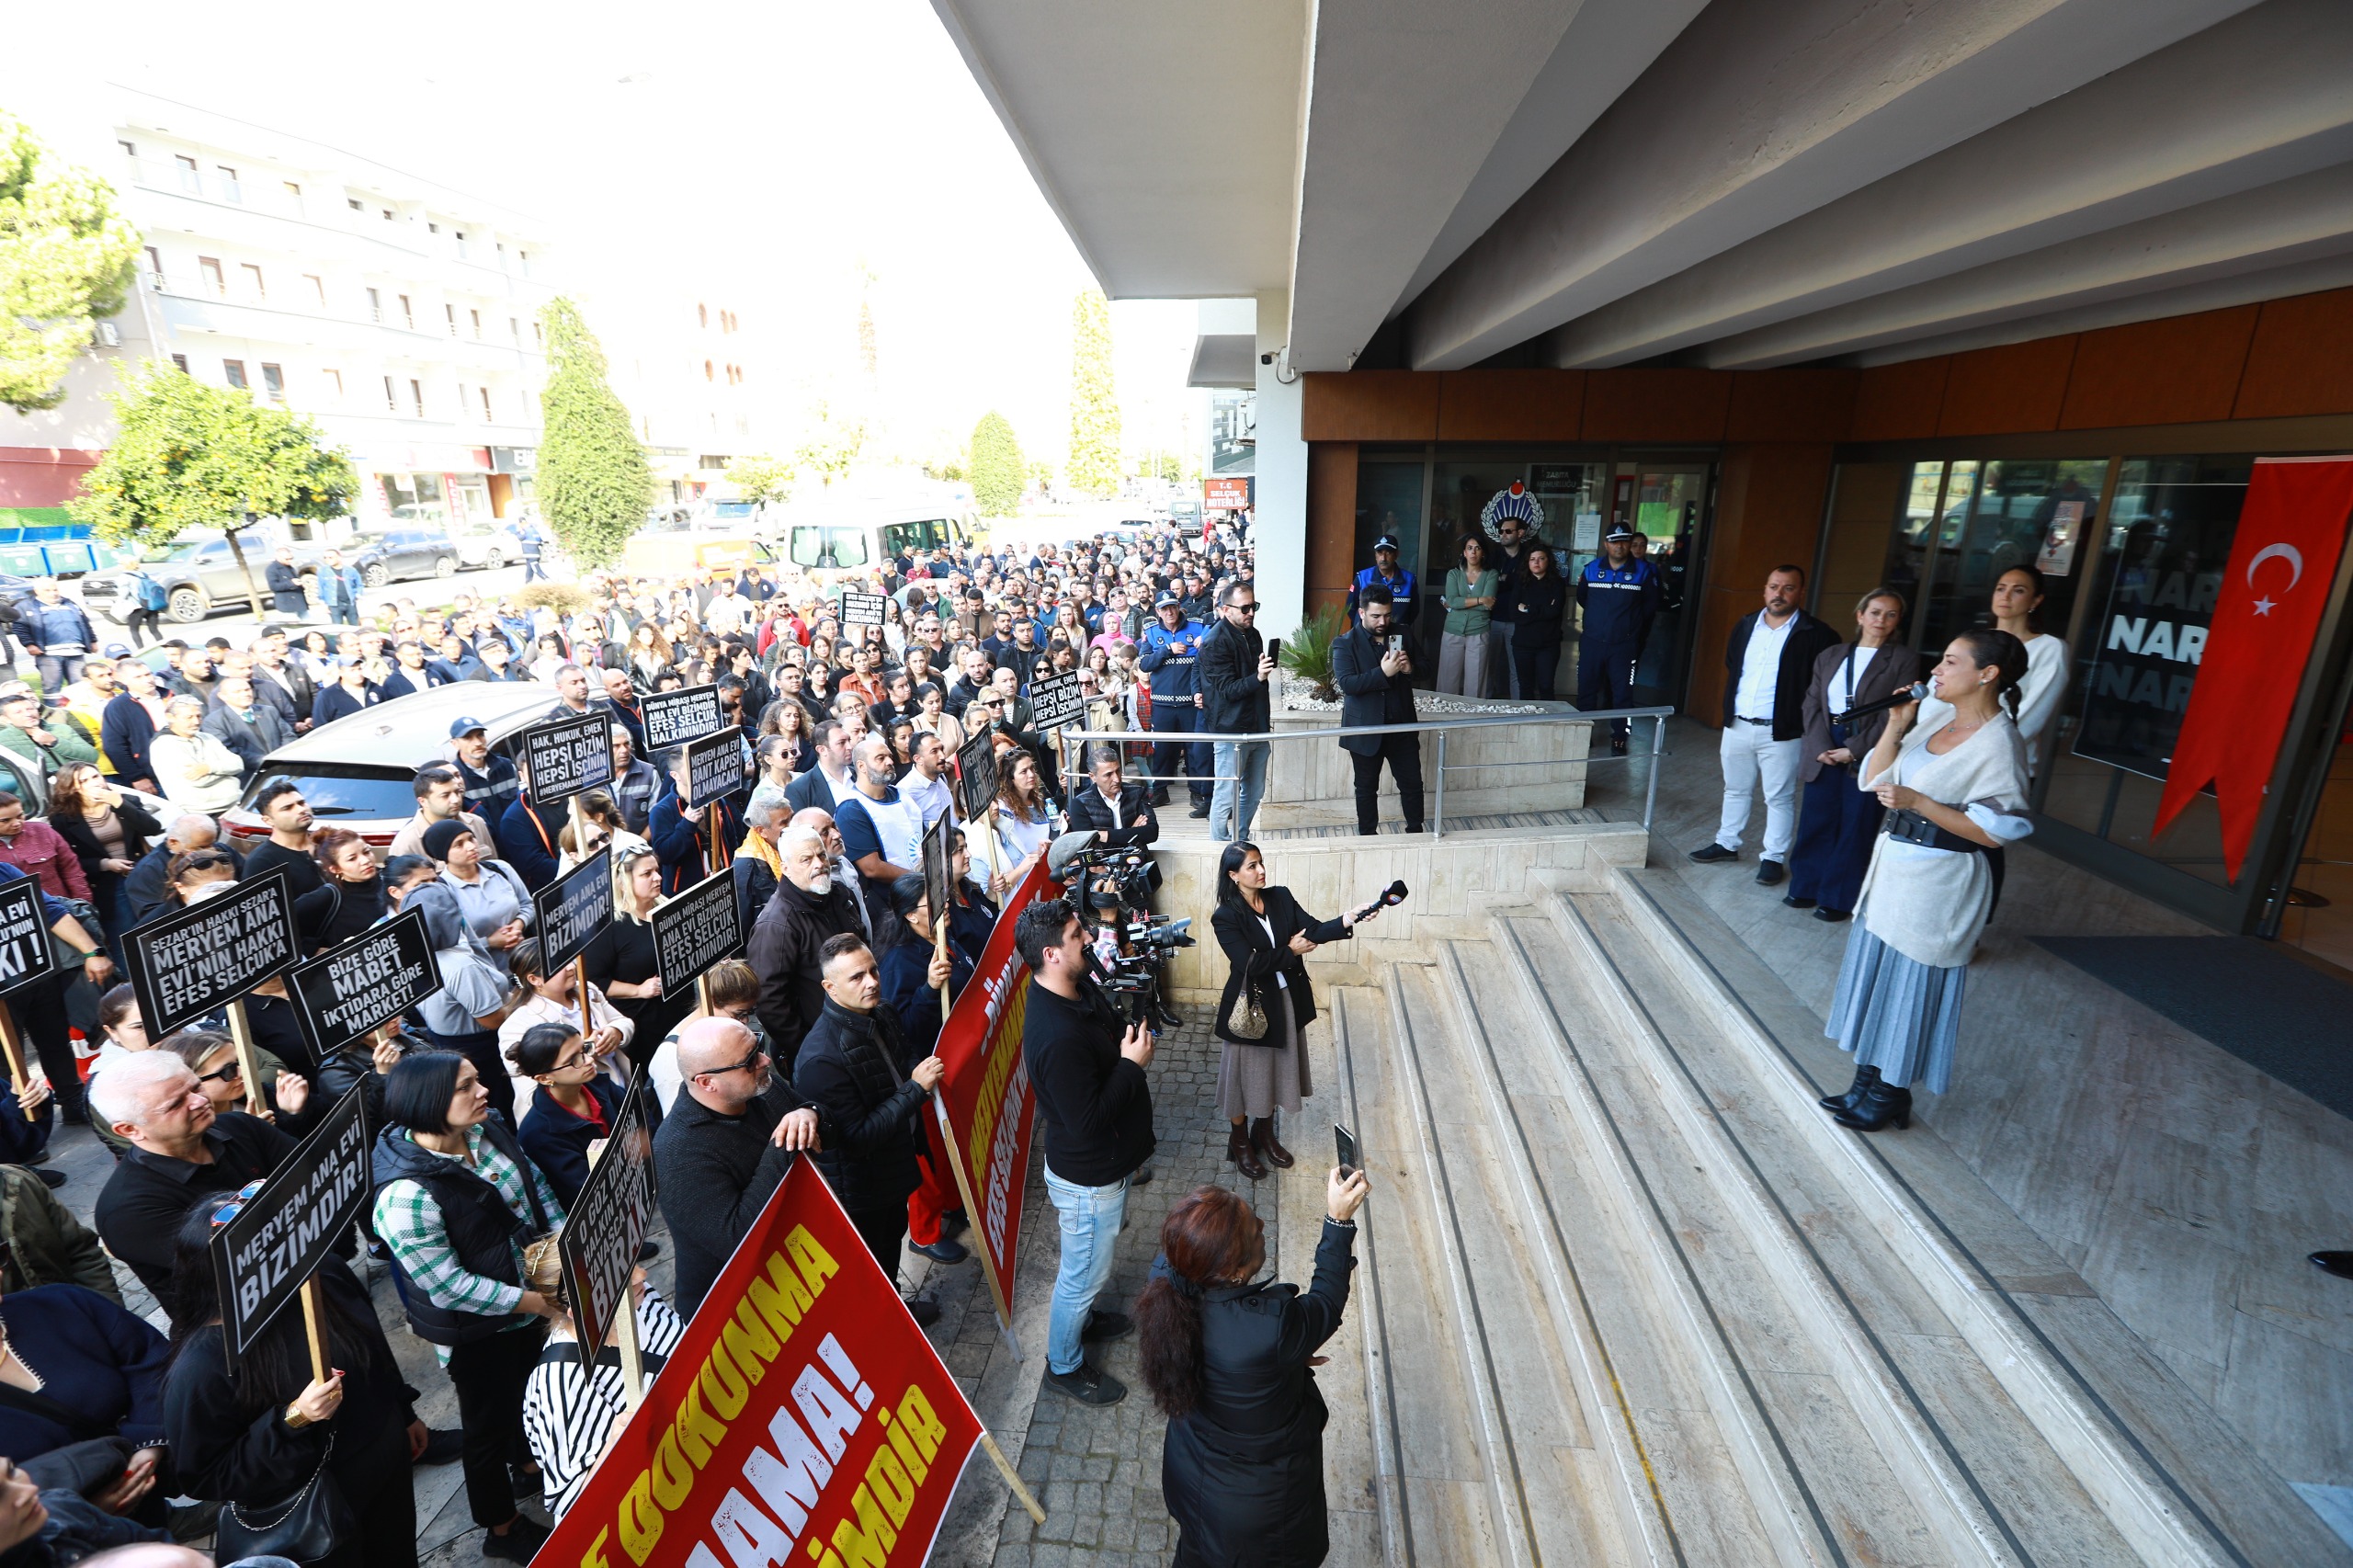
[199,578]
[407,553]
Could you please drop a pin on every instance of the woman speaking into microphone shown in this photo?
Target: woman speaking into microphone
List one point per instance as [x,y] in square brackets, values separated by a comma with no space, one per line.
[1952,791]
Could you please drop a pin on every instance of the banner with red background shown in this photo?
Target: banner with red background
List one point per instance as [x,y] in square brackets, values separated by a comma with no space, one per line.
[803,1420]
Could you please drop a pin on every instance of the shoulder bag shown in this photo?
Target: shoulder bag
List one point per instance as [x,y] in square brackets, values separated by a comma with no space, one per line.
[307,1527]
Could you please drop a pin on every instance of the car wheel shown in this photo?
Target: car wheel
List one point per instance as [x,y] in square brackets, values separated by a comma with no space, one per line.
[375,575]
[447,566]
[492,562]
[188,605]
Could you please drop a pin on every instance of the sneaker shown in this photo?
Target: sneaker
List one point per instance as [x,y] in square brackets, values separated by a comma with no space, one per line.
[443,1447]
[1103,1324]
[1769,873]
[1708,854]
[52,1179]
[520,1544]
[924,1310]
[1086,1385]
[941,1251]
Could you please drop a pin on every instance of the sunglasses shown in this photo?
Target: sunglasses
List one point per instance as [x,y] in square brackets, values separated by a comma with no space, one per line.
[227,1212]
[228,1074]
[745,1066]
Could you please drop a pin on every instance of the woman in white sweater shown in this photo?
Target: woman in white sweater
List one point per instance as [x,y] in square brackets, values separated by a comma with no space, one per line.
[1953,792]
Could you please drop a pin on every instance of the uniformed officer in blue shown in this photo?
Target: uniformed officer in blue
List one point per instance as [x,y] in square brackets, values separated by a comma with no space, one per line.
[1385,571]
[1619,594]
[1171,657]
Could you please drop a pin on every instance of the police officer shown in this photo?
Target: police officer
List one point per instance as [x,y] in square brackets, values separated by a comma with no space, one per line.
[1619,594]
[1385,571]
[1170,655]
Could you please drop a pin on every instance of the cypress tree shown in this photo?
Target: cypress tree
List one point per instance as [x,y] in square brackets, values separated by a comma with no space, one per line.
[998,474]
[1094,466]
[594,483]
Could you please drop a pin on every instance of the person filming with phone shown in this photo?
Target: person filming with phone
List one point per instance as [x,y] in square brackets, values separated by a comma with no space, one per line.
[1375,675]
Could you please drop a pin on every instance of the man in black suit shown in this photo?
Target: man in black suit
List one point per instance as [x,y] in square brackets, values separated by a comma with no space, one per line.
[1769,663]
[1117,813]
[1376,683]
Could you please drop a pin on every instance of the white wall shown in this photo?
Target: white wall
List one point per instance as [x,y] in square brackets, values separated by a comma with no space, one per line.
[1279,532]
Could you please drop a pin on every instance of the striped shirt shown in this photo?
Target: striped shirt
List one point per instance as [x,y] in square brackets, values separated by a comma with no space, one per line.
[569,1419]
[409,1222]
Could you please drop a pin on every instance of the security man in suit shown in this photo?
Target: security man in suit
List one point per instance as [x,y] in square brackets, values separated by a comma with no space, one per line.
[1171,657]
[1620,593]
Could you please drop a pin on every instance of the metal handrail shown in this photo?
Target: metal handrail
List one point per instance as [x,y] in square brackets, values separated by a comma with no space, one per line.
[1657,716]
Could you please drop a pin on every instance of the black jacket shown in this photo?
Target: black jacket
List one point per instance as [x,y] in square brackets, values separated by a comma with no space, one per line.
[1089,813]
[558,1140]
[1255,961]
[848,1068]
[1808,639]
[1094,1105]
[783,953]
[139,829]
[1235,701]
[1243,1471]
[1537,604]
[482,1230]
[713,1174]
[127,733]
[147,1196]
[1366,696]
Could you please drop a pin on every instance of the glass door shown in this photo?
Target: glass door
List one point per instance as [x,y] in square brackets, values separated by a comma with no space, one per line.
[1666,504]
[2317,913]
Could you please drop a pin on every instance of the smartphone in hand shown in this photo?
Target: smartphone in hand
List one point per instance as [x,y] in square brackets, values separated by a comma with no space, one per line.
[1275,649]
[1351,1159]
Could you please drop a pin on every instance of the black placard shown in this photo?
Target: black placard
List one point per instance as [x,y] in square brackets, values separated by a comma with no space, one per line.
[285,1231]
[696,929]
[674,718]
[198,960]
[715,767]
[976,776]
[370,980]
[1056,701]
[607,1222]
[569,911]
[25,951]
[568,755]
[939,869]
[862,609]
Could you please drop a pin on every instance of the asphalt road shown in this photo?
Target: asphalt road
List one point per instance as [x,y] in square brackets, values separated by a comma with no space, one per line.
[239,628]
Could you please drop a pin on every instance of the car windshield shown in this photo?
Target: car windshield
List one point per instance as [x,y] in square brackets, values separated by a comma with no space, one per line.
[829,546]
[335,793]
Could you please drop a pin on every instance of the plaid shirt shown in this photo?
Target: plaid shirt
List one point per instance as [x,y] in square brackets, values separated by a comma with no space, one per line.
[409,1221]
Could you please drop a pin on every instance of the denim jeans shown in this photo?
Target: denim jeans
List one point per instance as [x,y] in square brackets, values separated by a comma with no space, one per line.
[1243,764]
[1091,1216]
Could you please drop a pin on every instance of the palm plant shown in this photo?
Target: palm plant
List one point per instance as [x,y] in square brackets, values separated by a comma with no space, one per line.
[1307,652]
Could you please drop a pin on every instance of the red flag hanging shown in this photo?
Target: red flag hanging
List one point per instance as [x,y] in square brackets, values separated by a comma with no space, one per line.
[2283,562]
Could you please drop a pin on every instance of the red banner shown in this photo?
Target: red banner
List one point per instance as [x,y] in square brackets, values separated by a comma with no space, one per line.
[985,1104]
[2283,563]
[803,1419]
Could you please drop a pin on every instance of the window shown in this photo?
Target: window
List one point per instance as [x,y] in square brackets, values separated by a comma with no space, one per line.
[706,370]
[210,265]
[229,190]
[526,257]
[252,271]
[449,312]
[190,181]
[702,316]
[409,313]
[180,363]
[353,202]
[234,370]
[837,547]
[391,398]
[486,415]
[477,315]
[293,189]
[273,381]
[375,305]
[433,228]
[416,397]
[538,336]
[318,288]
[154,262]
[333,380]
[128,149]
[465,409]
[388,214]
[516,327]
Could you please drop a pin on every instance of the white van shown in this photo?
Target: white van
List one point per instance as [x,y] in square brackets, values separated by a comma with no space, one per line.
[859,539]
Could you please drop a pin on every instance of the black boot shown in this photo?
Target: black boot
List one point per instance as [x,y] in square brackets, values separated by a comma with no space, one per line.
[1864,1078]
[1880,1104]
[1262,1140]
[1244,1158]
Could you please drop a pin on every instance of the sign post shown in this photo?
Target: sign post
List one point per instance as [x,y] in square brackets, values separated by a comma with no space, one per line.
[209,955]
[271,1250]
[25,956]
[568,755]
[694,929]
[976,790]
[599,1242]
[938,893]
[351,989]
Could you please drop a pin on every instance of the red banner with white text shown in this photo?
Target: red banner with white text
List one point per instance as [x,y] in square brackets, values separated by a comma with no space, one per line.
[2283,564]
[803,1420]
[986,1107]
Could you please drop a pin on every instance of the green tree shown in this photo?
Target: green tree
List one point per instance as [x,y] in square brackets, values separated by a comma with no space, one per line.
[593,484]
[66,261]
[188,455]
[1041,474]
[762,478]
[833,444]
[999,477]
[1094,465]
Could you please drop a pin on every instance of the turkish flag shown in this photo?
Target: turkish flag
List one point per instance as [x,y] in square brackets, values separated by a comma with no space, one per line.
[2283,562]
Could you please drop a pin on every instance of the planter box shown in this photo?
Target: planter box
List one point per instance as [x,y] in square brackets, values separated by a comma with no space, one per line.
[1490,769]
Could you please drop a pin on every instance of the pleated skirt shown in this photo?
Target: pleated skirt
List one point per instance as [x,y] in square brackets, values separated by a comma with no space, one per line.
[1896,1013]
[1259,1080]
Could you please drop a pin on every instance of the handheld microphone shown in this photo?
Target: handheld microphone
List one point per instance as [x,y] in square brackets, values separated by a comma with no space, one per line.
[1912,693]
[1396,895]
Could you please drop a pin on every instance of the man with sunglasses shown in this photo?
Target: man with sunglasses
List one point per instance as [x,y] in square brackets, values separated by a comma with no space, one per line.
[1235,669]
[733,1133]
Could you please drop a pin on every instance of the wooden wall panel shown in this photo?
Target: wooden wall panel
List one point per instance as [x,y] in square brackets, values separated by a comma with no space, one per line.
[1331,522]
[1510,405]
[2302,359]
[1768,511]
[1793,405]
[1656,406]
[2179,371]
[2017,387]
[1900,402]
[1369,405]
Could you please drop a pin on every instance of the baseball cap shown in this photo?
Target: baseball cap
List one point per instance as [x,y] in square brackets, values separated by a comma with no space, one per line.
[465,724]
[118,651]
[1618,530]
[1165,597]
[1386,541]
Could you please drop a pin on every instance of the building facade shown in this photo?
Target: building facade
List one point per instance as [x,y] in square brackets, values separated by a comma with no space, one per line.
[685,363]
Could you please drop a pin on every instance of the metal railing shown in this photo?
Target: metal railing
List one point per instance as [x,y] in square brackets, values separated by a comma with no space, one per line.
[1658,717]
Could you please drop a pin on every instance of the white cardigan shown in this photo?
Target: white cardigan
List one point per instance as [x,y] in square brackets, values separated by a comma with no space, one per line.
[1929,904]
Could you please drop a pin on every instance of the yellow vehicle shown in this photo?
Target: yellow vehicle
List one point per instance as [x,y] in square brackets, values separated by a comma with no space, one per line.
[680,539]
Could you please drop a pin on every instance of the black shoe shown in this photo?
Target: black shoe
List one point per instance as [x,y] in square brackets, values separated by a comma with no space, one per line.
[1769,873]
[443,1447]
[1143,1175]
[2338,1263]
[941,1251]
[1710,854]
[924,1310]
[1201,811]
[52,1179]
[520,1544]
[1794,902]
[954,1224]
[1832,916]
[1169,1017]
[1159,797]
[1864,1078]
[1616,746]
[1103,1324]
[648,1251]
[1086,1385]
[1880,1104]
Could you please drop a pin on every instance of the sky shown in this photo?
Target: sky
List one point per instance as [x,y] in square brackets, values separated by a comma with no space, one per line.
[788,154]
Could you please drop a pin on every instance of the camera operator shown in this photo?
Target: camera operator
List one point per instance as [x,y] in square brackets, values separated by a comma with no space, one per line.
[1094,1115]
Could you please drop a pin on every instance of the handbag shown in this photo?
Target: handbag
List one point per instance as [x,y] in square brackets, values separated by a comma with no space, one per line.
[1246,1019]
[307,1527]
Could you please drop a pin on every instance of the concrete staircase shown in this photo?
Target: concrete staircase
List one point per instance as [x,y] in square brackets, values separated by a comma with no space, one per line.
[1626,1296]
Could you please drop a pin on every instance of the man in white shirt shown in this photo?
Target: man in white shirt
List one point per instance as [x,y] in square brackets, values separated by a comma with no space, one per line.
[831,781]
[1768,664]
[926,785]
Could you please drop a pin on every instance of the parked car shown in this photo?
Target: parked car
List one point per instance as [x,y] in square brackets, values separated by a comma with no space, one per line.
[486,548]
[199,578]
[407,553]
[355,773]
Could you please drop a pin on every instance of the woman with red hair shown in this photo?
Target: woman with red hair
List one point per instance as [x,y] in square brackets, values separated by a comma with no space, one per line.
[1228,1362]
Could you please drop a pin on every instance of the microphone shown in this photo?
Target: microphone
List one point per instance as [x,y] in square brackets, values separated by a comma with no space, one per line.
[1065,848]
[1396,895]
[1912,693]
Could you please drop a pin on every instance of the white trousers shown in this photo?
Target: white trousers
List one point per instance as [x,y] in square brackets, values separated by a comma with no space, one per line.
[1750,753]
